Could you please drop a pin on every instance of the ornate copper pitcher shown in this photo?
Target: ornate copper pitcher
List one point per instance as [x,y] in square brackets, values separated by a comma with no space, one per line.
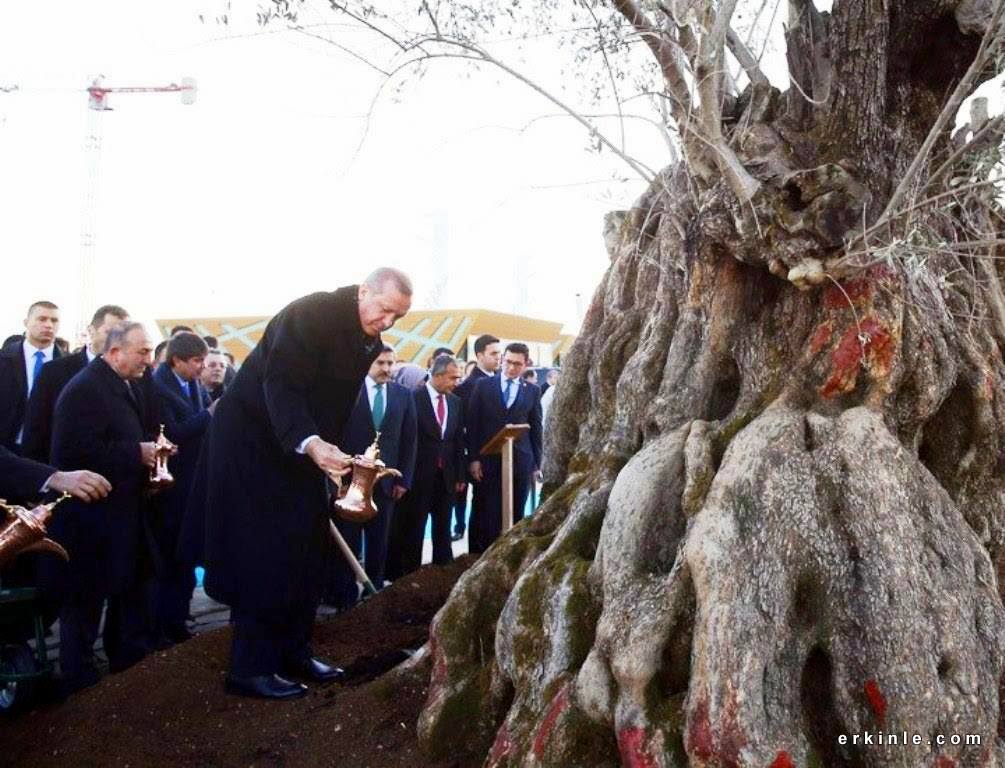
[24,531]
[160,478]
[355,502]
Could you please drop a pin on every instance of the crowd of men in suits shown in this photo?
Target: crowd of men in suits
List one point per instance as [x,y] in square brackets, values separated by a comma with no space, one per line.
[86,423]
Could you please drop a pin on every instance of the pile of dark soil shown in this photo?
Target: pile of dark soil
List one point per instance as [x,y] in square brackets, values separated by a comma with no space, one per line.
[171,709]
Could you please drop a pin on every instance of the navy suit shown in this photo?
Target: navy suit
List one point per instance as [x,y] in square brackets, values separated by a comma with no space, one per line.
[98,426]
[439,466]
[42,403]
[185,421]
[14,392]
[397,450]
[485,415]
[463,391]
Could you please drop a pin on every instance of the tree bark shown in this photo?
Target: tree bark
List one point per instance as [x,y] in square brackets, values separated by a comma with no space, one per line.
[774,510]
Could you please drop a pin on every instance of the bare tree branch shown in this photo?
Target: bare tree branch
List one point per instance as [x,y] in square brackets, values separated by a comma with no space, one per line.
[746,59]
[708,70]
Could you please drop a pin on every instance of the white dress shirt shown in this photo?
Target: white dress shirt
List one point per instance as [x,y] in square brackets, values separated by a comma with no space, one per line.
[434,398]
[513,392]
[29,360]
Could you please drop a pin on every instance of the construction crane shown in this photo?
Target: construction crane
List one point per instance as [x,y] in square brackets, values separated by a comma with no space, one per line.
[97,101]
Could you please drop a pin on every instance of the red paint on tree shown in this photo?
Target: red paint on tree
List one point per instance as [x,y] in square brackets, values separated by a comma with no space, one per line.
[558,705]
[699,734]
[782,760]
[943,761]
[876,700]
[851,293]
[633,750]
[865,340]
[502,747]
[821,337]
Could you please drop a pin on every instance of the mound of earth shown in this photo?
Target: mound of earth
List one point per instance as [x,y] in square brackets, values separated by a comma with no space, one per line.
[171,708]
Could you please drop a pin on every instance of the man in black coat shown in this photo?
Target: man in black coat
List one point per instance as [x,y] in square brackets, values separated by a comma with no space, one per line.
[439,469]
[388,408]
[186,410]
[99,425]
[270,445]
[20,366]
[487,353]
[498,401]
[55,375]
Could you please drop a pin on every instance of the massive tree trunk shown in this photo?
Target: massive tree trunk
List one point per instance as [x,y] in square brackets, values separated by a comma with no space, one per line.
[774,475]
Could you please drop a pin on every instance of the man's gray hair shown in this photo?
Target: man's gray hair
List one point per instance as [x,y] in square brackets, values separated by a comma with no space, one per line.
[117,334]
[380,277]
[441,364]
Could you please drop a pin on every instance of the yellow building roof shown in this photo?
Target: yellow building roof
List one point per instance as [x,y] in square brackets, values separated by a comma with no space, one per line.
[414,337]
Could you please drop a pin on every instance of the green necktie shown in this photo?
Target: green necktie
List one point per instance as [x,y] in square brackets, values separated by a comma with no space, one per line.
[378,407]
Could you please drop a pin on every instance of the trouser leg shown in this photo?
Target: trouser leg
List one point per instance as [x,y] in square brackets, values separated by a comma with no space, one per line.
[79,619]
[264,646]
[376,540]
[440,508]
[126,630]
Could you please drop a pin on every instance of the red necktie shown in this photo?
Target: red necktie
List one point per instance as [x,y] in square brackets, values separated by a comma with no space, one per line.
[441,417]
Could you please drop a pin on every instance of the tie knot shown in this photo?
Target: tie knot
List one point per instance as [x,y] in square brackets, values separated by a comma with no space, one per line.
[39,354]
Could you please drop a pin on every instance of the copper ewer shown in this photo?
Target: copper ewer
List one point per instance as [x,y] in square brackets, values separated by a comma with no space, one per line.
[24,531]
[160,478]
[354,502]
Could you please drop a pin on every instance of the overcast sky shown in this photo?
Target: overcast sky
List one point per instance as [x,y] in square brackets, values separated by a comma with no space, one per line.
[262,191]
[265,188]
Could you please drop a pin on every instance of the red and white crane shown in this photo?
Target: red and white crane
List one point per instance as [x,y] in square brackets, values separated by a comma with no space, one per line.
[97,101]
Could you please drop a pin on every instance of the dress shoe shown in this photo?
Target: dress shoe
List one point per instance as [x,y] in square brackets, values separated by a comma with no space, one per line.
[264,686]
[457,536]
[317,670]
[179,634]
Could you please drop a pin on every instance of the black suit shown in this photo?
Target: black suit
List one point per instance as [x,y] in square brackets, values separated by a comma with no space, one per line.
[264,504]
[185,422]
[439,466]
[14,392]
[42,403]
[397,450]
[98,425]
[21,479]
[463,391]
[484,416]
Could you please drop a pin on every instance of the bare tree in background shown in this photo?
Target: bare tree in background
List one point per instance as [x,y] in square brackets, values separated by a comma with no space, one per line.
[776,468]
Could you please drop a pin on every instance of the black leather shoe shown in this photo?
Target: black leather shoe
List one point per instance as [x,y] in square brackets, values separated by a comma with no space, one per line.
[264,686]
[457,536]
[318,671]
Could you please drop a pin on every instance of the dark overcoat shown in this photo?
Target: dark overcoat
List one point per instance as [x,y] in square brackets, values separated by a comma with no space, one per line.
[55,375]
[98,425]
[21,479]
[185,422]
[264,504]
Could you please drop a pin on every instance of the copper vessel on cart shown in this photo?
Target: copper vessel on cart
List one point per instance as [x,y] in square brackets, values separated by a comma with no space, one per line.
[354,503]
[24,531]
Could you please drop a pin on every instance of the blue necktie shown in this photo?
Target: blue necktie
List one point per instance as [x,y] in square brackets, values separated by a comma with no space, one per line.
[509,387]
[39,362]
[378,407]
